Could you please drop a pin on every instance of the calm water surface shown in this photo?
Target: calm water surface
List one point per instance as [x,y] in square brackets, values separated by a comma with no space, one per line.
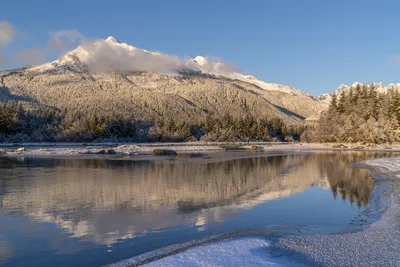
[91,212]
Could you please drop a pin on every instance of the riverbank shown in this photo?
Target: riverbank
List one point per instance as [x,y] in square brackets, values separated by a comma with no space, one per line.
[127,149]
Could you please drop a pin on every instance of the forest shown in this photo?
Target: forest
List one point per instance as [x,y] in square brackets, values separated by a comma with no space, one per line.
[360,114]
[20,122]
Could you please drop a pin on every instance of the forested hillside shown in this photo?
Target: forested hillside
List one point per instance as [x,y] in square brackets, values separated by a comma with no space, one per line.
[20,122]
[141,106]
[359,114]
[209,111]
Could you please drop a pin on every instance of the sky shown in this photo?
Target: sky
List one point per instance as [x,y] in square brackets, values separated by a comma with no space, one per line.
[311,45]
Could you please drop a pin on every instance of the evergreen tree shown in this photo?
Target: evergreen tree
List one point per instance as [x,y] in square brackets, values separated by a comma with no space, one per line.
[333,104]
[341,106]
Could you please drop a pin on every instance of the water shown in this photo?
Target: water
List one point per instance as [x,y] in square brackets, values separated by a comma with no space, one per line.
[95,211]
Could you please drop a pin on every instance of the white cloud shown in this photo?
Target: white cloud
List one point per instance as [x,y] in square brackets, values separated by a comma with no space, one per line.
[212,65]
[7,33]
[59,43]
[65,40]
[108,57]
[2,60]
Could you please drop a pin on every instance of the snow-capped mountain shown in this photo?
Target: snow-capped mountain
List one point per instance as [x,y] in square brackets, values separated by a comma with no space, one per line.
[118,78]
[110,55]
[380,87]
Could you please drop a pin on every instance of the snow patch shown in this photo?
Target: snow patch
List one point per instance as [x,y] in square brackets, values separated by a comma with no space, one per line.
[111,39]
[249,251]
[243,251]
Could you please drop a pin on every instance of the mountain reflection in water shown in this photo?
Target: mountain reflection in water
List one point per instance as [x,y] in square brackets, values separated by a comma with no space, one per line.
[103,201]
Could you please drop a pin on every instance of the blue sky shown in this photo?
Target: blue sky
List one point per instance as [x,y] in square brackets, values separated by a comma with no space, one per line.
[312,45]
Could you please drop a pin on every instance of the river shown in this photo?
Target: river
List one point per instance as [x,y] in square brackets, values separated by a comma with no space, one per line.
[75,211]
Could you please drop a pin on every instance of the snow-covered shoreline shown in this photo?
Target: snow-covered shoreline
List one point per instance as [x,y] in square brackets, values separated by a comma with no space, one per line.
[34,149]
[244,251]
[376,244]
[151,144]
[70,149]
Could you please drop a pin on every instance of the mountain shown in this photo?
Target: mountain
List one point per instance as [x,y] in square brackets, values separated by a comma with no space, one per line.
[380,87]
[113,79]
[110,55]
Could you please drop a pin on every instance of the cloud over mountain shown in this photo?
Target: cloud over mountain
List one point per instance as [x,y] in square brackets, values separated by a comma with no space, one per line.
[101,55]
[7,33]
[22,54]
[110,55]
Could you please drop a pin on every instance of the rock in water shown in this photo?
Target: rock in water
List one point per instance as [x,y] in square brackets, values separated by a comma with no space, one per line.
[256,148]
[110,152]
[100,152]
[20,150]
[164,152]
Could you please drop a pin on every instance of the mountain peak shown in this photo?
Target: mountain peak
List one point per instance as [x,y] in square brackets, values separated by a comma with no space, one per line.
[112,39]
[200,60]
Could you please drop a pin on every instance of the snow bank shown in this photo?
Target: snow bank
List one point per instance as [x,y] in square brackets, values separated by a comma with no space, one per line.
[132,149]
[218,250]
[150,148]
[248,251]
[43,149]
